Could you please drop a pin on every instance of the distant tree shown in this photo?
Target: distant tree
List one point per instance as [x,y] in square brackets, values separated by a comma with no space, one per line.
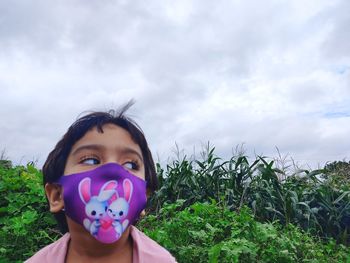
[338,173]
[4,160]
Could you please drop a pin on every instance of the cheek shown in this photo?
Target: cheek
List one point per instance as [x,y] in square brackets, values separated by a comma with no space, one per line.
[141,173]
[69,167]
[77,168]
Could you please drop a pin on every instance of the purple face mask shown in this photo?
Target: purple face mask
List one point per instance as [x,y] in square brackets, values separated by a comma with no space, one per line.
[105,200]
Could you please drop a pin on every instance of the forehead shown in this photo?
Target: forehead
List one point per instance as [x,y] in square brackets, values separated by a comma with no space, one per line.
[112,136]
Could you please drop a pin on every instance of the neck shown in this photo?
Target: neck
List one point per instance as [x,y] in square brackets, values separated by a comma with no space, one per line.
[84,246]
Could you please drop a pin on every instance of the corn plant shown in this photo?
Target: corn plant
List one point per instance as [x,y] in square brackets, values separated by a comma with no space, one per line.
[309,199]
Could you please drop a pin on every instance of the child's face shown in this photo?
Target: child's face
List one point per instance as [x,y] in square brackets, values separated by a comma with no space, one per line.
[114,145]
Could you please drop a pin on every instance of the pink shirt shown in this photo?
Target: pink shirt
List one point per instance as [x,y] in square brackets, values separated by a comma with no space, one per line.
[144,250]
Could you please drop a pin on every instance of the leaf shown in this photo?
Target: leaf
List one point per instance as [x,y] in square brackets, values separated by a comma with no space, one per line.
[214,253]
[341,197]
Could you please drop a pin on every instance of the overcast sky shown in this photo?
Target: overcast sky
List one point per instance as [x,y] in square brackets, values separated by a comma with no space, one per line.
[264,73]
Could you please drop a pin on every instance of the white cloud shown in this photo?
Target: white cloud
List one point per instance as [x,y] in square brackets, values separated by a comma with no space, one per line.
[264,73]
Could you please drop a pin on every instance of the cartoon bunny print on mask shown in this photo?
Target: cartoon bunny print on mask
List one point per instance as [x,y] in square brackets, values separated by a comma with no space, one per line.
[88,196]
[95,206]
[119,208]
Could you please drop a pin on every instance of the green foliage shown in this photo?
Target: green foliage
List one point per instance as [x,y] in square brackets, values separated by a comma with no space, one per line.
[25,223]
[311,200]
[255,212]
[210,233]
[338,174]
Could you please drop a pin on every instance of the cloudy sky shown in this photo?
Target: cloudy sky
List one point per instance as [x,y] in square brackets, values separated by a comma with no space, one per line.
[264,73]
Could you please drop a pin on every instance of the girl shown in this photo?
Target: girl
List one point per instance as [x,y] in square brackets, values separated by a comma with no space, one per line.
[97,180]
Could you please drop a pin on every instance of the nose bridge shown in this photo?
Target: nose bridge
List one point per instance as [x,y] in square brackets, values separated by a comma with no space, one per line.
[112,156]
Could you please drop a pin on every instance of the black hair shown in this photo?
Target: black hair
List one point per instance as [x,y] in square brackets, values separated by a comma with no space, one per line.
[55,163]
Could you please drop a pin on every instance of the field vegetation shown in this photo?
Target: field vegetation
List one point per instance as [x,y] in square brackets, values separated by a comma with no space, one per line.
[208,210]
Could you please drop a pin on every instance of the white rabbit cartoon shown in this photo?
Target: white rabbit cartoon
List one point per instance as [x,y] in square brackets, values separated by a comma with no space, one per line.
[119,208]
[95,206]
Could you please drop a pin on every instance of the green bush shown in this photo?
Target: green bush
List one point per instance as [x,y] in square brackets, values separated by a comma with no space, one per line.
[311,200]
[25,223]
[198,232]
[210,233]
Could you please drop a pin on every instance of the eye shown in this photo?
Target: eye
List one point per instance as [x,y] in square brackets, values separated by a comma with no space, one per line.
[110,210]
[93,212]
[121,213]
[132,165]
[89,160]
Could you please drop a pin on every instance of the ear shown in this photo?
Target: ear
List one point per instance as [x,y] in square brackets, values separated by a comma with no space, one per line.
[127,187]
[143,213]
[110,185]
[54,194]
[114,197]
[84,190]
[108,191]
[105,195]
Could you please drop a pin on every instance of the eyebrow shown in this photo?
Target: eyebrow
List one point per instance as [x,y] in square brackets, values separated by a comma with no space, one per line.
[124,150]
[128,150]
[88,147]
